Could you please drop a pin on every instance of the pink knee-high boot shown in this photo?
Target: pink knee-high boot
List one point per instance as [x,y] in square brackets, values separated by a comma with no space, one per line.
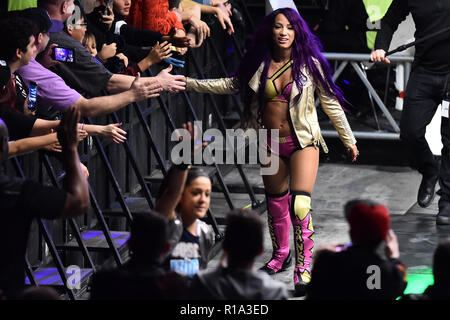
[303,238]
[279,226]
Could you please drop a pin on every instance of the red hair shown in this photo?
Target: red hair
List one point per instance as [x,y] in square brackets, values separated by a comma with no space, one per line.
[153,15]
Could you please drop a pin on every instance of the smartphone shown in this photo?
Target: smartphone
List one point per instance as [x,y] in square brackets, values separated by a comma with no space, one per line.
[109,3]
[62,54]
[32,96]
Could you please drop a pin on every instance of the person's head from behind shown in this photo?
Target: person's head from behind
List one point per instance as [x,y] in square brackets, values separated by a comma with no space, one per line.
[17,41]
[76,25]
[41,26]
[441,264]
[148,237]
[90,43]
[244,237]
[369,222]
[58,9]
[40,293]
[175,5]
[4,137]
[196,196]
[122,7]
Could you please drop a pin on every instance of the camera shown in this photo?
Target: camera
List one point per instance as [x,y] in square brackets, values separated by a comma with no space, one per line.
[63,54]
[109,3]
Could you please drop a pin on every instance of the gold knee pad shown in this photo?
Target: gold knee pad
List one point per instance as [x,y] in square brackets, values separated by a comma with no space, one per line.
[301,204]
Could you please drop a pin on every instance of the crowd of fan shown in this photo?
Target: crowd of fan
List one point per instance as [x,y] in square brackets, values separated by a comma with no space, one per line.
[171,246]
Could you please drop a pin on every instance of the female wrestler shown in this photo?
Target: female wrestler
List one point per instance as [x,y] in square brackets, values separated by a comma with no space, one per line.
[277,79]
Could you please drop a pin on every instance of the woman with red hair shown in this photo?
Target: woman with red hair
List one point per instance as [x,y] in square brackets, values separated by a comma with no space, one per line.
[154,15]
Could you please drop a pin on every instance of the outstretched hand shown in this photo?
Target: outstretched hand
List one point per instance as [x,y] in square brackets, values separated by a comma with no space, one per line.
[201,29]
[225,21]
[223,5]
[170,82]
[55,147]
[82,134]
[114,133]
[144,89]
[160,52]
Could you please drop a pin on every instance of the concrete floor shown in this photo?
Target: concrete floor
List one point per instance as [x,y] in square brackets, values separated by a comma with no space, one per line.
[396,187]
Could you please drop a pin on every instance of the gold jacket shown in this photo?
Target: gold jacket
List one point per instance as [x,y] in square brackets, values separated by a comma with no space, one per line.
[302,108]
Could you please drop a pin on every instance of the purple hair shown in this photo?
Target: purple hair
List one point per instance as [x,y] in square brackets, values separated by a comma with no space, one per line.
[306,51]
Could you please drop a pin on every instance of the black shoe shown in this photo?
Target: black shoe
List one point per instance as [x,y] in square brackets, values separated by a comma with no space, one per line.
[443,217]
[426,191]
[300,289]
[286,264]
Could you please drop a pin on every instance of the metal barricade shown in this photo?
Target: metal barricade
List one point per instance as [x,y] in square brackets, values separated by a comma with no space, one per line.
[97,151]
[360,63]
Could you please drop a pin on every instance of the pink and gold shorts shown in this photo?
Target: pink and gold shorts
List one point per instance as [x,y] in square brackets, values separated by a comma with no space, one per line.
[286,146]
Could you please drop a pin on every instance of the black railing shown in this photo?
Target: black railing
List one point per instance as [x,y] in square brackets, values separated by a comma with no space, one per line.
[118,172]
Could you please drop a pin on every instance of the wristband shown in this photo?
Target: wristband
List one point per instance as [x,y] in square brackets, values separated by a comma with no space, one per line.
[175,62]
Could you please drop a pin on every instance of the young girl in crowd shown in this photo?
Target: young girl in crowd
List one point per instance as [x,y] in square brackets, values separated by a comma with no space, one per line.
[184,199]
